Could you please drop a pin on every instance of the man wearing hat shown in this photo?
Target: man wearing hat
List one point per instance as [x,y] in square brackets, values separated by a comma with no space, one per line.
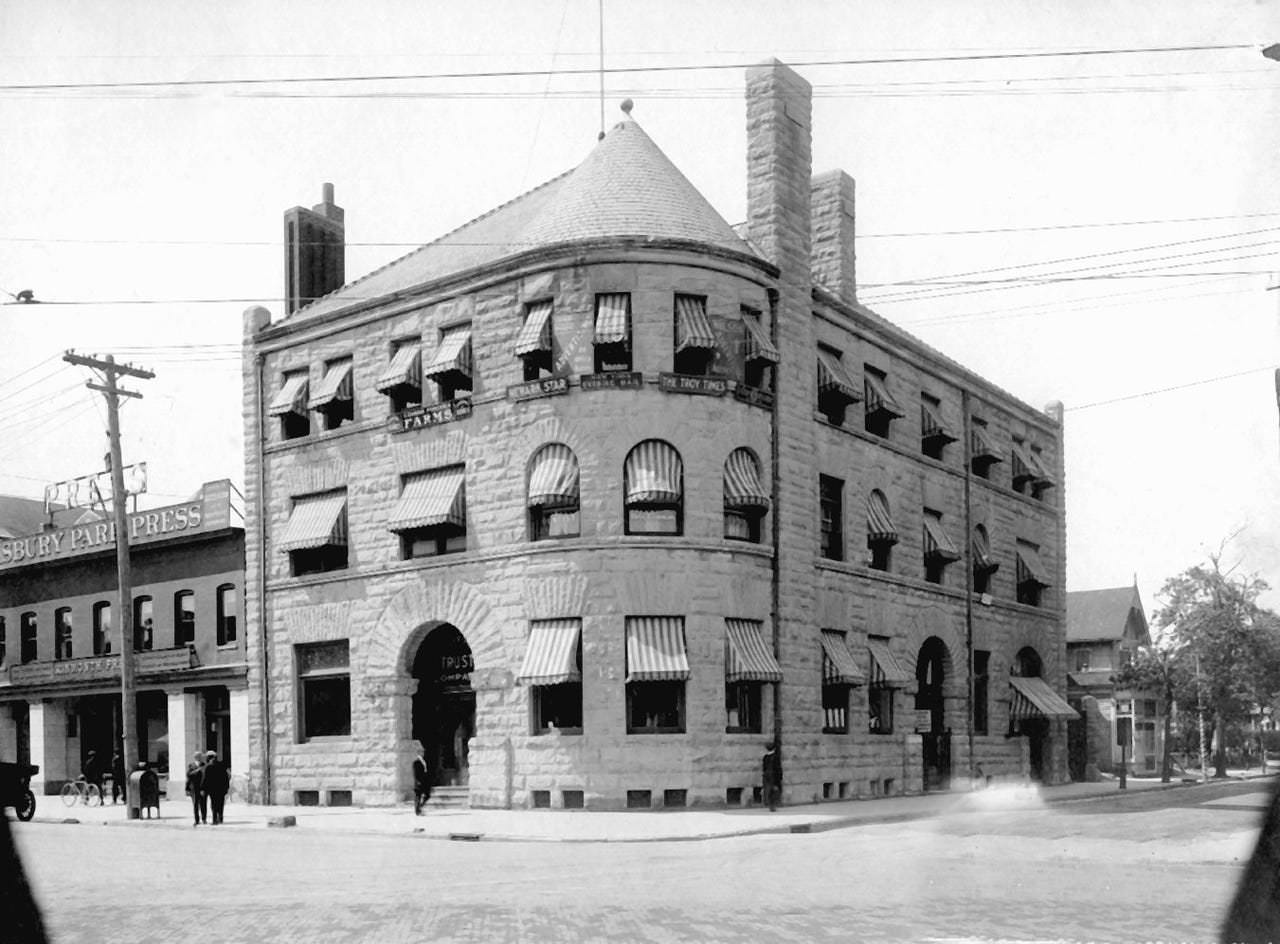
[195,789]
[217,781]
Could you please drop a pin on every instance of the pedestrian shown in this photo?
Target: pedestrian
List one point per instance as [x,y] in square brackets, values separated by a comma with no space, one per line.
[119,783]
[195,789]
[772,775]
[216,782]
[421,788]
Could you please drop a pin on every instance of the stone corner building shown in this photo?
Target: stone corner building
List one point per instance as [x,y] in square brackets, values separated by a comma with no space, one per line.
[595,495]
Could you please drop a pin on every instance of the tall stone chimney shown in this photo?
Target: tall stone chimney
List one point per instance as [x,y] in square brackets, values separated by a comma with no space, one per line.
[831,197]
[314,252]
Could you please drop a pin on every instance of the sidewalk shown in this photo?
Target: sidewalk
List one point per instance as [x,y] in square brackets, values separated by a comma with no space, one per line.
[611,826]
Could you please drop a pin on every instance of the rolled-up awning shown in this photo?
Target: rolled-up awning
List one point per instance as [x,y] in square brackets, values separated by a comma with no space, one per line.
[981,446]
[747,657]
[292,396]
[931,425]
[1033,698]
[613,312]
[334,387]
[1030,568]
[654,474]
[553,479]
[742,488]
[759,347]
[453,355]
[879,399]
[655,649]
[404,370]
[937,543]
[880,527]
[430,499]
[693,329]
[838,664]
[982,557]
[535,333]
[834,380]
[552,654]
[316,521]
[885,668]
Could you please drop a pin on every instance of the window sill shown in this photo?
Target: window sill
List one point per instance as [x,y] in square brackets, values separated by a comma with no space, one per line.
[729,730]
[326,739]
[555,732]
[656,731]
[835,730]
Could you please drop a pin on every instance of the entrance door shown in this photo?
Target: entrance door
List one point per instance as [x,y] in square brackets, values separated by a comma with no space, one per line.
[444,707]
[930,675]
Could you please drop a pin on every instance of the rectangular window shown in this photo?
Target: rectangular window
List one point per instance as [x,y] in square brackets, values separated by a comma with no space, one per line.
[981,661]
[836,389]
[102,628]
[655,707]
[324,689]
[290,405]
[831,517]
[431,516]
[536,341]
[695,340]
[934,437]
[4,642]
[143,624]
[315,536]
[835,708]
[657,666]
[29,630]
[983,455]
[335,394]
[184,618]
[879,709]
[939,550]
[401,381]
[227,607]
[760,356]
[881,408]
[613,332]
[62,633]
[1082,660]
[1126,658]
[552,668]
[451,368]
[742,706]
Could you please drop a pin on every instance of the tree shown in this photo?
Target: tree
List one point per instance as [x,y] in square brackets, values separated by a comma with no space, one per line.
[1160,668]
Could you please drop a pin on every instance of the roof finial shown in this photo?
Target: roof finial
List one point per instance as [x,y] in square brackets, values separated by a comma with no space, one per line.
[627,105]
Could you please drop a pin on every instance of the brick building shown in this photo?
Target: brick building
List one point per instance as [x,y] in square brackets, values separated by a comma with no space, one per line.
[597,494]
[60,684]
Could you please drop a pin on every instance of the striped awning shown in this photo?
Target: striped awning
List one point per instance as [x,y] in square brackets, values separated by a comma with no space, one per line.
[552,655]
[885,668]
[742,488]
[334,387]
[316,521]
[982,557]
[613,312]
[880,527]
[839,667]
[1043,477]
[747,657]
[655,649]
[535,333]
[879,399]
[453,355]
[1024,466]
[834,380]
[759,347]
[291,397]
[654,474]
[980,442]
[1030,567]
[1033,698]
[553,480]
[405,369]
[430,499]
[931,425]
[937,543]
[693,329]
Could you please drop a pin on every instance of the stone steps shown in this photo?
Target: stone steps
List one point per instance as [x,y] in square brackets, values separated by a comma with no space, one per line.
[449,798]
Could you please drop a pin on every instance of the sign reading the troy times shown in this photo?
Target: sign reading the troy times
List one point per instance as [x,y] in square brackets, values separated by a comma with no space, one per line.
[612,380]
[434,415]
[533,389]
[686,383]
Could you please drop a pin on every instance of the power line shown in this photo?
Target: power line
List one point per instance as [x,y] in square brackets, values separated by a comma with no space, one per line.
[1152,393]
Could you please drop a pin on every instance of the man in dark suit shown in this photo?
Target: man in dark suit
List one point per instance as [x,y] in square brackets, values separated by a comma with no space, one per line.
[421,787]
[195,789]
[217,781]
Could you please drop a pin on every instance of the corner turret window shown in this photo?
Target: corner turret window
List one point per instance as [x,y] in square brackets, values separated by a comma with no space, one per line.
[745,499]
[653,480]
[760,356]
[553,493]
[451,367]
[535,344]
[695,340]
[613,332]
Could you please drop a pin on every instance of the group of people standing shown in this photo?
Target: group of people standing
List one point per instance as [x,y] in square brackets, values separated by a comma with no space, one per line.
[208,781]
[95,771]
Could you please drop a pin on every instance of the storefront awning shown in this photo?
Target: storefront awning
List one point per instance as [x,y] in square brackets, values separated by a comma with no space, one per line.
[553,480]
[535,333]
[693,329]
[982,557]
[879,399]
[552,655]
[885,668]
[833,380]
[747,657]
[931,425]
[759,347]
[981,446]
[291,397]
[317,521]
[1030,568]
[453,356]
[1033,698]
[655,649]
[937,543]
[742,488]
[334,387]
[880,529]
[430,499]
[654,473]
[838,664]
[405,369]
[613,312]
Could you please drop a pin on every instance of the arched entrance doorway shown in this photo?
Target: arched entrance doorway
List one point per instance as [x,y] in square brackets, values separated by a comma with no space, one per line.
[931,673]
[1027,664]
[444,706]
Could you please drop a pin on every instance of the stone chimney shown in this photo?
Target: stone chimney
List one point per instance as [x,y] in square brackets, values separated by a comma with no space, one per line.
[831,197]
[314,252]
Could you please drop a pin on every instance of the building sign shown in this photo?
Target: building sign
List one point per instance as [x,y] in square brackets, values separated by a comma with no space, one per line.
[94,491]
[209,511]
[613,380]
[686,383]
[924,720]
[455,668]
[753,396]
[533,389]
[433,415]
[99,668]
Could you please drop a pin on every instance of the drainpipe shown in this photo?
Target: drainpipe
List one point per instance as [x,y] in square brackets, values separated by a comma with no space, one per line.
[968,573]
[776,528]
[268,795]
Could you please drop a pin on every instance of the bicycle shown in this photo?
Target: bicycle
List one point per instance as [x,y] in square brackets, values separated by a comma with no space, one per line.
[81,791]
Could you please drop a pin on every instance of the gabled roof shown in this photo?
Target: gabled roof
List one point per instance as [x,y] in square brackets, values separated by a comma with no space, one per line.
[1102,614]
[22,517]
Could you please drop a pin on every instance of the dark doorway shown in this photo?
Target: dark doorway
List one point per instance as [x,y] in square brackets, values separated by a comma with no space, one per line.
[1077,744]
[1027,664]
[930,678]
[444,707]
[98,718]
[217,723]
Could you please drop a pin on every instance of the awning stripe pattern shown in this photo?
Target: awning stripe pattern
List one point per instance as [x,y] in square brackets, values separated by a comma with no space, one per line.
[291,397]
[552,655]
[613,314]
[834,380]
[655,649]
[453,355]
[1023,465]
[880,527]
[937,543]
[1033,698]
[316,521]
[553,480]
[1030,568]
[879,399]
[535,334]
[747,657]
[931,425]
[885,668]
[1042,474]
[982,558]
[759,347]
[430,499]
[743,490]
[335,386]
[404,370]
[693,329]
[981,446]
[654,474]
[838,664]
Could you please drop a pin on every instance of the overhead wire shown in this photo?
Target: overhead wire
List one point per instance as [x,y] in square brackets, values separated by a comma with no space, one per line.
[1170,389]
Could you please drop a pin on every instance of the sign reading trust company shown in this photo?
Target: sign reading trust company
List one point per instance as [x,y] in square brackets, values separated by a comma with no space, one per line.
[210,510]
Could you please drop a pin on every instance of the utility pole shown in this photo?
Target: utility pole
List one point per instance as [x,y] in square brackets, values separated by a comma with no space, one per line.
[110,372]
[1204,771]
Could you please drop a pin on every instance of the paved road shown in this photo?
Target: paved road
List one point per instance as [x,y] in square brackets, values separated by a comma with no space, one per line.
[1100,871]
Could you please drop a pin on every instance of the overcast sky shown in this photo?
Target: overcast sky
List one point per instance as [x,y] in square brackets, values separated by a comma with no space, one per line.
[1099,229]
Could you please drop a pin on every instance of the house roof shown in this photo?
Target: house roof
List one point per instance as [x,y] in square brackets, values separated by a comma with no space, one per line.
[626,186]
[20,517]
[1101,614]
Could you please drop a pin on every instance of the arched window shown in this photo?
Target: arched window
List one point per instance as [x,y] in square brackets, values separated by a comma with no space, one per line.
[184,618]
[227,609]
[143,624]
[62,632]
[881,534]
[745,500]
[653,480]
[553,493]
